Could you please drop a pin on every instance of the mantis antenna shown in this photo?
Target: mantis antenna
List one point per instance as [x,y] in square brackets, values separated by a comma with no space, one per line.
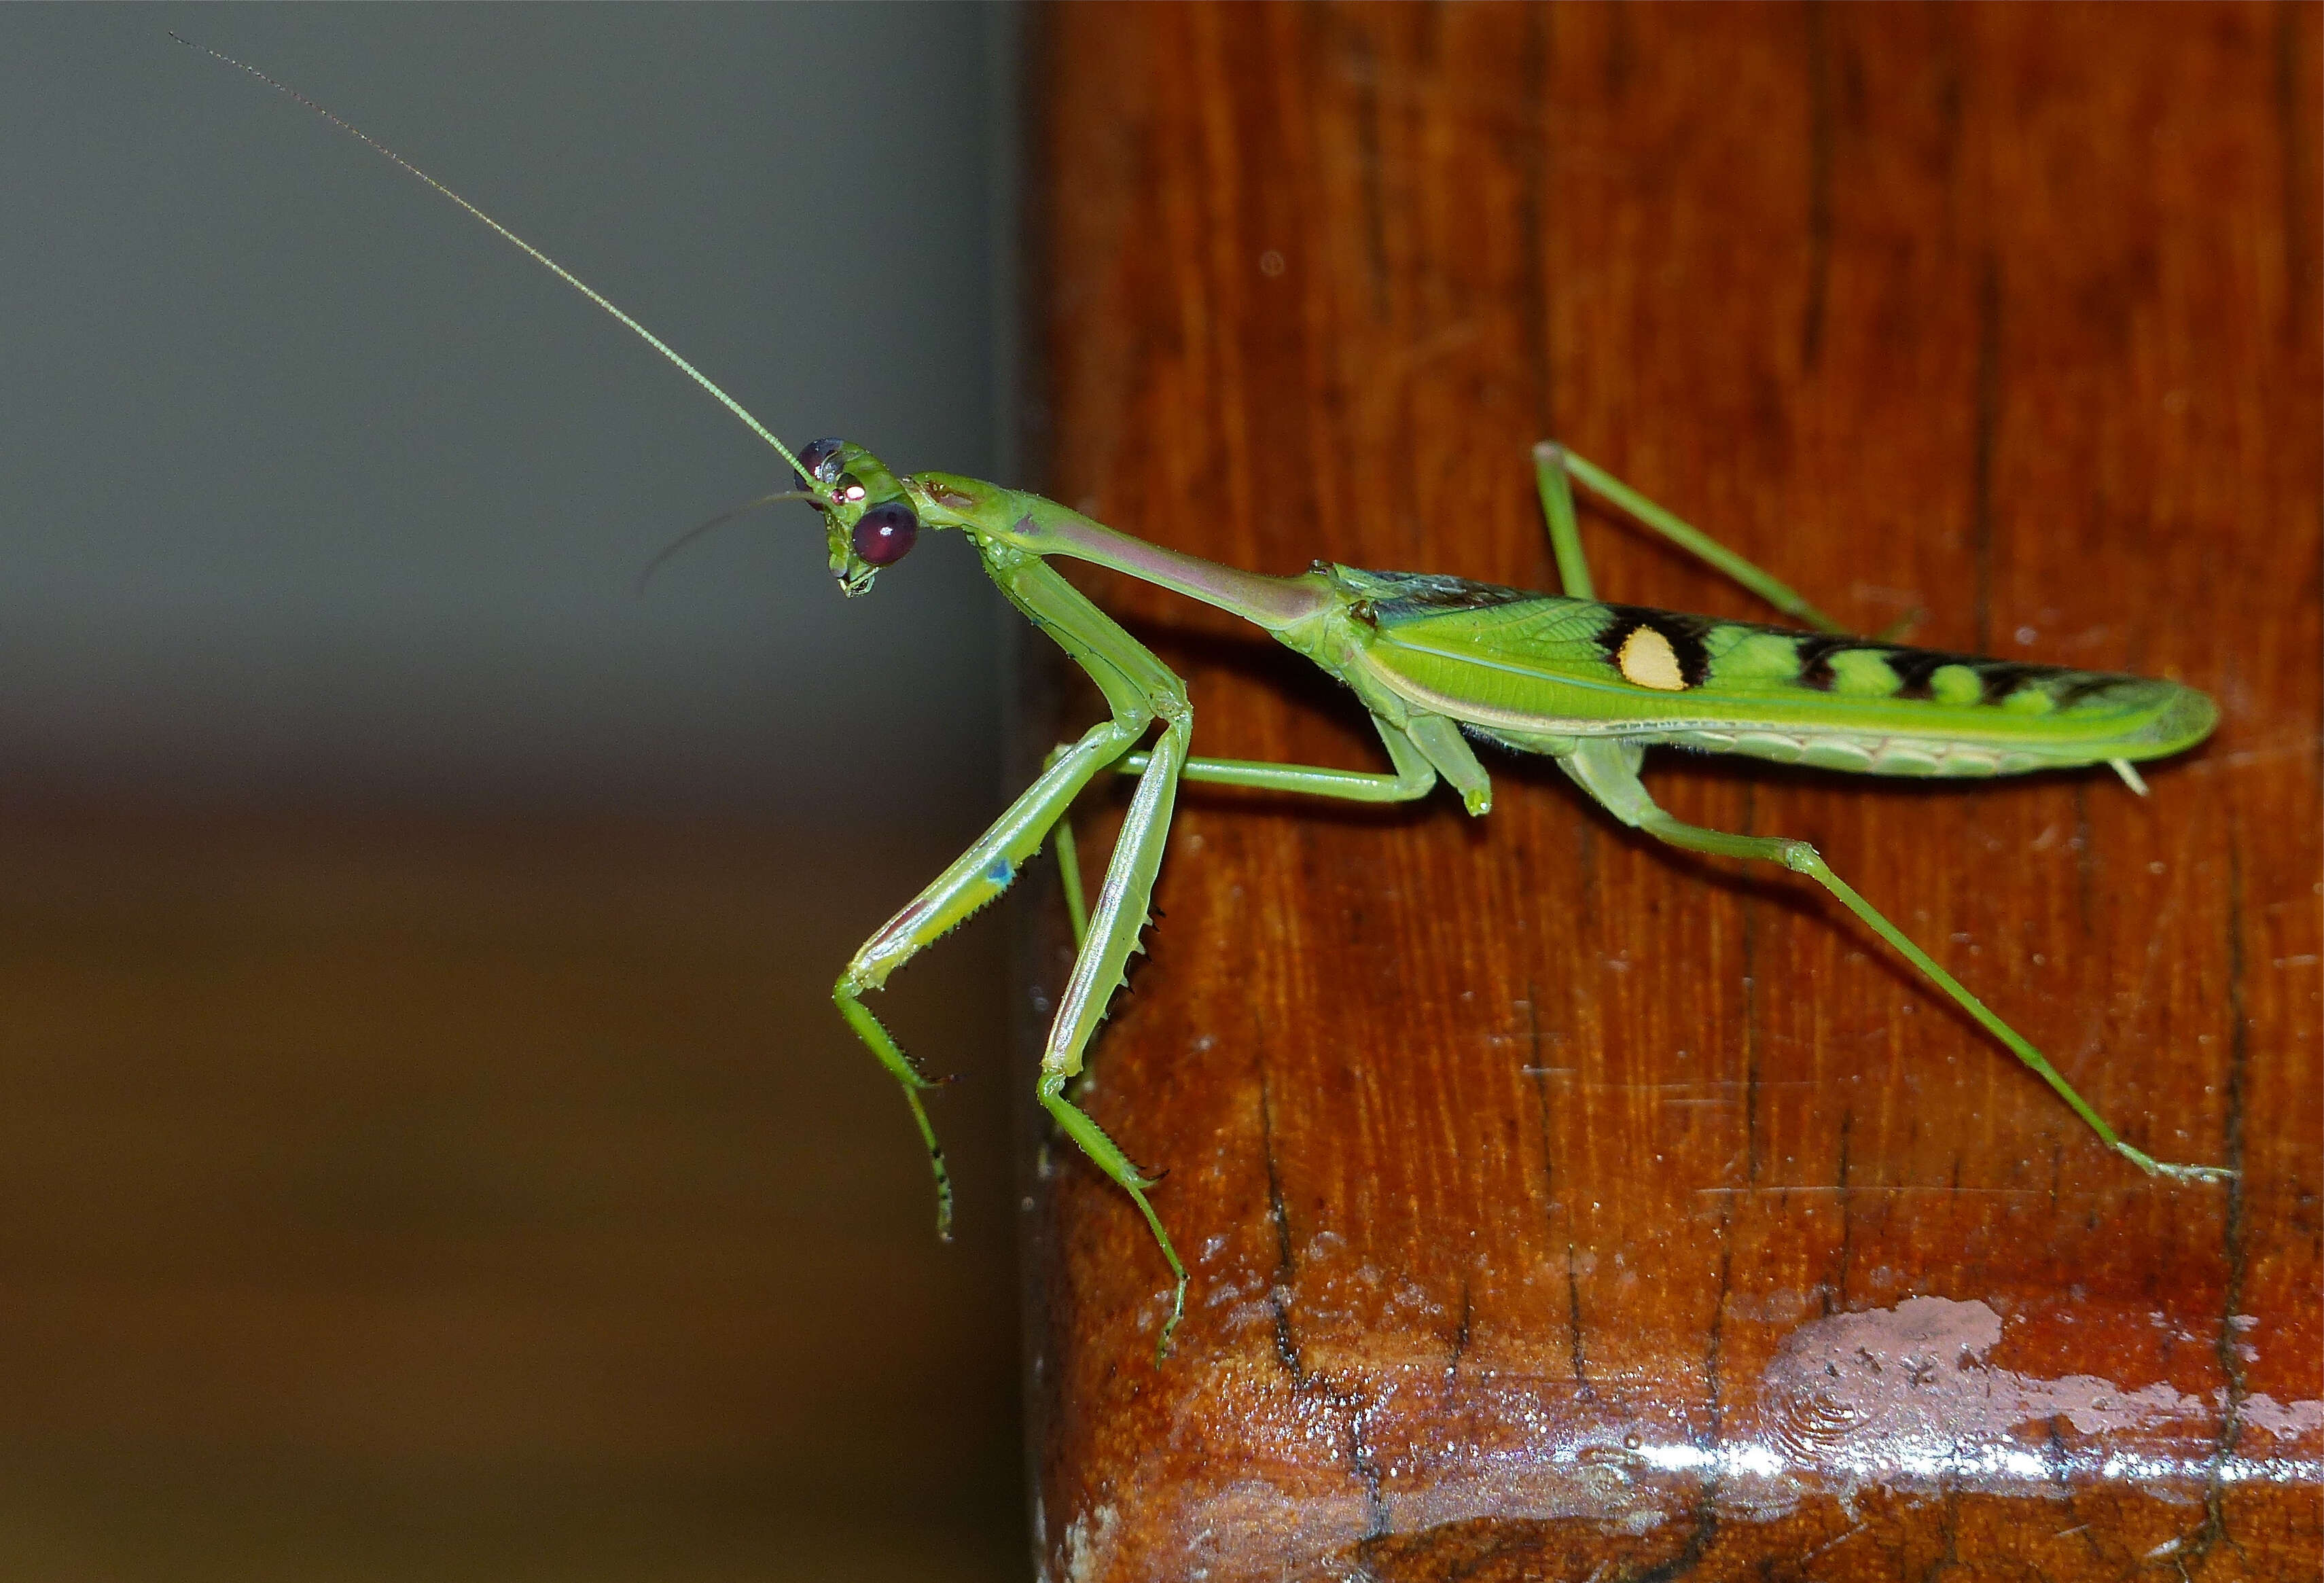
[693,533]
[530,251]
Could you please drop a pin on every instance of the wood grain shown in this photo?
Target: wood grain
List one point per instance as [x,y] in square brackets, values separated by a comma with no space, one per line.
[1561,1209]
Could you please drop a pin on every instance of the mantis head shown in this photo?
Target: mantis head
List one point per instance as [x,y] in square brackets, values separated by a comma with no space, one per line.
[867,513]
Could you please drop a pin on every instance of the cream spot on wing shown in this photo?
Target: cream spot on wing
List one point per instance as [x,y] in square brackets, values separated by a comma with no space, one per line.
[1647,660]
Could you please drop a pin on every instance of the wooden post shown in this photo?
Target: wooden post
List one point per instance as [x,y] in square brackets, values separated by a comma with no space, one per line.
[1558,1208]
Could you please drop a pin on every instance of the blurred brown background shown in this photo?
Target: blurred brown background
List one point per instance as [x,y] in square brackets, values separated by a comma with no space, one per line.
[428,1147]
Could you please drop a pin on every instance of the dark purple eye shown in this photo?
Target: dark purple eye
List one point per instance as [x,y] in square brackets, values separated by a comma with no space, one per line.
[818,457]
[884,534]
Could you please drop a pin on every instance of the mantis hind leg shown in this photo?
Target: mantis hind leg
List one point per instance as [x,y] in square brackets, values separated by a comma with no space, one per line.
[1608,771]
[1554,470]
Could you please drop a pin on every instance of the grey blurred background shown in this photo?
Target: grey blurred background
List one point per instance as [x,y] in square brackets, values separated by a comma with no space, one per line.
[319,487]
[430,1146]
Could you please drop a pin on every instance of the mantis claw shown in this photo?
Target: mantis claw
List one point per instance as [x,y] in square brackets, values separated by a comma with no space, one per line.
[2173,1172]
[1166,1343]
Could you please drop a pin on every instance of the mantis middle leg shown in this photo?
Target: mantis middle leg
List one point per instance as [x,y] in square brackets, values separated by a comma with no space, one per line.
[1415,774]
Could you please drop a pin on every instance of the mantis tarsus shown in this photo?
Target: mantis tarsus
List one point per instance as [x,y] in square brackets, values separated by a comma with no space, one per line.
[1436,661]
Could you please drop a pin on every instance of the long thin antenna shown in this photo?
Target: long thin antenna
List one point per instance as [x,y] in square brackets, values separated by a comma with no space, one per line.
[535,253]
[724,517]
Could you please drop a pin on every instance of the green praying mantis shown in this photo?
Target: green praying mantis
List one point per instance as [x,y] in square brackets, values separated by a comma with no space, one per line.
[1436,660]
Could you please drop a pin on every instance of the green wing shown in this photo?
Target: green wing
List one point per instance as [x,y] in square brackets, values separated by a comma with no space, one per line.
[1533,670]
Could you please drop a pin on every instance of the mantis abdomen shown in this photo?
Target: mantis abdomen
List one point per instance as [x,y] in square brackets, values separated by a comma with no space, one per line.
[1537,671]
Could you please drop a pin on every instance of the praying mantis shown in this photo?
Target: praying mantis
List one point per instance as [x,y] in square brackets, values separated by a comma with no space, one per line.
[1438,663]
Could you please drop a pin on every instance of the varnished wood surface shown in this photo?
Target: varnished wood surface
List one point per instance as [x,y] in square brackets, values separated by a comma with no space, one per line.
[1559,1208]
[446,1197]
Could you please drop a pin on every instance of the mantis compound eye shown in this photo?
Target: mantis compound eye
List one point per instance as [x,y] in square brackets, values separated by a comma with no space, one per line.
[818,458]
[884,534]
